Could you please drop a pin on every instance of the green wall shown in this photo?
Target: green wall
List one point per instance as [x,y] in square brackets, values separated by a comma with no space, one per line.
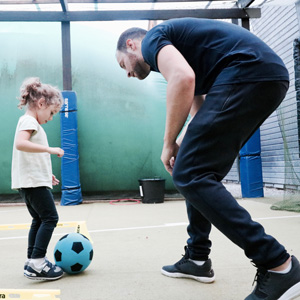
[120,120]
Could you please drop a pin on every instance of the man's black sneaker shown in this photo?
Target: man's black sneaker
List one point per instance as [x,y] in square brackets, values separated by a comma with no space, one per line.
[48,272]
[185,268]
[276,286]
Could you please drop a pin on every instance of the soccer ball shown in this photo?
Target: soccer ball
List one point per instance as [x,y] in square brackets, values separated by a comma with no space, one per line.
[73,253]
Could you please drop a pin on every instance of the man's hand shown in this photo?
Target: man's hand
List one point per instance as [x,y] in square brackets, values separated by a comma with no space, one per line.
[168,156]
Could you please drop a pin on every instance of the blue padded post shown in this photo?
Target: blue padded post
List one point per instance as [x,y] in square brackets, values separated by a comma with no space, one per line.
[251,176]
[252,147]
[71,189]
[251,168]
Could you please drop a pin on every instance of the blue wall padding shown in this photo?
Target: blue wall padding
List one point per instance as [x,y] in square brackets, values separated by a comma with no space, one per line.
[252,147]
[251,168]
[70,158]
[251,176]
[71,188]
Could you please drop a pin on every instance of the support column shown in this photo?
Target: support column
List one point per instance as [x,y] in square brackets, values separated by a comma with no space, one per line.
[66,55]
[250,159]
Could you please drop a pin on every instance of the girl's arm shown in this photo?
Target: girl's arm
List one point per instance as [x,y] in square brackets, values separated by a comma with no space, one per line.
[24,144]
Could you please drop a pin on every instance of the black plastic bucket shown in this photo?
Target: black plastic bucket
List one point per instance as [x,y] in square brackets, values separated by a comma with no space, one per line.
[152,190]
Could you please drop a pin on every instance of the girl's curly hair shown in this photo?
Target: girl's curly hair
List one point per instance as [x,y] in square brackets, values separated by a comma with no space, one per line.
[33,90]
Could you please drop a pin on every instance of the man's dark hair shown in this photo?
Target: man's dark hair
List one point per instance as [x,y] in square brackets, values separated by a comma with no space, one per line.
[131,33]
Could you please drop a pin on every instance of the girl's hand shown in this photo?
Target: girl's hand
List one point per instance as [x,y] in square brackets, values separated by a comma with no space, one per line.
[55,181]
[56,150]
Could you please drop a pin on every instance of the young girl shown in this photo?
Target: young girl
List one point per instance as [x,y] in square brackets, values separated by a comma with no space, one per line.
[32,173]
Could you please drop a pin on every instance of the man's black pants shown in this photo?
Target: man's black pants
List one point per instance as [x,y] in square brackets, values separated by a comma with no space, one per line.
[228,117]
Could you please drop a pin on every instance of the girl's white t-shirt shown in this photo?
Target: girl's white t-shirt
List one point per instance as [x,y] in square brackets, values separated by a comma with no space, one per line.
[31,169]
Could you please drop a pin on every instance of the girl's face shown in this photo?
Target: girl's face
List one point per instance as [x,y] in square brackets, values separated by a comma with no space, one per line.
[45,113]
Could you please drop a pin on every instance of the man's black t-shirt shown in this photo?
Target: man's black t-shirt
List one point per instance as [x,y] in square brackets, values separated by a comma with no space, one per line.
[219,52]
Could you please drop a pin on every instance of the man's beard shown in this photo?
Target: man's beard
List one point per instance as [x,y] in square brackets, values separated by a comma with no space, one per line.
[140,72]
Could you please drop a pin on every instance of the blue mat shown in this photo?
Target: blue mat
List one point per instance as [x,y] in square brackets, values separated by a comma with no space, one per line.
[71,188]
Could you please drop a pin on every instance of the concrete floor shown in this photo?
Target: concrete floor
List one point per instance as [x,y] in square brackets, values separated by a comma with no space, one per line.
[131,244]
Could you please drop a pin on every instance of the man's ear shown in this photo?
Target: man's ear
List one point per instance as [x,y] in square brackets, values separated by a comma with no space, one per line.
[130,44]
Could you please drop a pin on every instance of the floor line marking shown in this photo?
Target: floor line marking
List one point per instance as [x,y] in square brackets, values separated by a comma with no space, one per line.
[6,211]
[281,217]
[180,224]
[148,227]
[141,227]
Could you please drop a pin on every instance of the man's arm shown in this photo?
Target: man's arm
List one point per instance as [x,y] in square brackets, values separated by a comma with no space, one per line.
[180,94]
[197,103]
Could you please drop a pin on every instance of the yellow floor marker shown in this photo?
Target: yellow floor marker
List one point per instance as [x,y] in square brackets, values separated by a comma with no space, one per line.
[14,227]
[29,294]
[80,227]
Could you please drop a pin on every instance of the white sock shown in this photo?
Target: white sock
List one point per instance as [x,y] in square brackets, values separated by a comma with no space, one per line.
[284,271]
[198,262]
[38,262]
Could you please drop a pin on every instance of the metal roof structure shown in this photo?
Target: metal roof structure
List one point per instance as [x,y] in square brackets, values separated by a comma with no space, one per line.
[67,11]
[111,10]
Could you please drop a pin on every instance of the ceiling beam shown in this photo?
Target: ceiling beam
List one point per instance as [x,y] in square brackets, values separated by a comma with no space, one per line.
[64,5]
[111,15]
[244,3]
[12,2]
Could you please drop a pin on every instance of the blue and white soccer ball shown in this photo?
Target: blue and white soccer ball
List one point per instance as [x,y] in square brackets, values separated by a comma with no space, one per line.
[73,253]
